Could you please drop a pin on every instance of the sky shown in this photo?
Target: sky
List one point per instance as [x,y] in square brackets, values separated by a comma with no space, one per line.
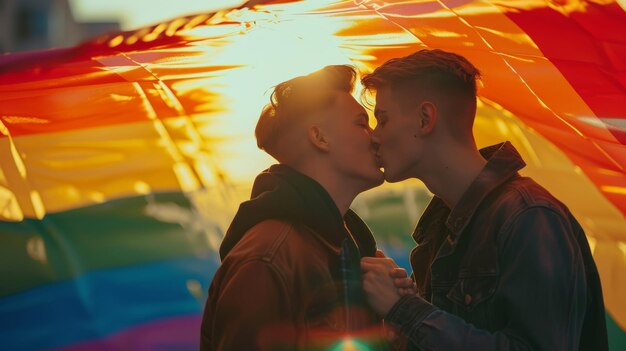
[133,14]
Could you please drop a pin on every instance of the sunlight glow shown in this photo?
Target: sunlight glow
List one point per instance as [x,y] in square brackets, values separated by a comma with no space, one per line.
[282,50]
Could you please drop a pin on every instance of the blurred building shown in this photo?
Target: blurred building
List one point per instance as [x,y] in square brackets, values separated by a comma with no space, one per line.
[42,24]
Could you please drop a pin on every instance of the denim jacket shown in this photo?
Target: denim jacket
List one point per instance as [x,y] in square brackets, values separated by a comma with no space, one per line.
[509,268]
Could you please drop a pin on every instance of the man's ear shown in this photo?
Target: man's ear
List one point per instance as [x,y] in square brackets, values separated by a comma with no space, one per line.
[427,117]
[318,138]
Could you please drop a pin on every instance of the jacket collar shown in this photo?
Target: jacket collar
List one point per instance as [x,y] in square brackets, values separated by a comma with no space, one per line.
[503,162]
[357,229]
[281,192]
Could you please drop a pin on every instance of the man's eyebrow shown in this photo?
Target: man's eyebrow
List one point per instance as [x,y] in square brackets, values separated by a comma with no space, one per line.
[379,112]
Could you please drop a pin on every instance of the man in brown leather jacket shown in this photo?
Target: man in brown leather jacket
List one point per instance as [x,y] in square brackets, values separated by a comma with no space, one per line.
[500,264]
[290,276]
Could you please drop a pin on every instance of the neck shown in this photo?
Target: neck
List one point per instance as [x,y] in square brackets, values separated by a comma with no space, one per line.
[452,172]
[342,192]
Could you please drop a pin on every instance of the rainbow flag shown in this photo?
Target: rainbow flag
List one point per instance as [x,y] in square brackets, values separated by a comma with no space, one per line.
[123,159]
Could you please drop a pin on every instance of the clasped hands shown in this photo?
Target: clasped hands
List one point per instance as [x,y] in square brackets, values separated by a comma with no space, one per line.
[384,282]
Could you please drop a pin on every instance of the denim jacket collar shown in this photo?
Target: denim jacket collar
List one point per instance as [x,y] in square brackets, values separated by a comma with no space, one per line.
[503,162]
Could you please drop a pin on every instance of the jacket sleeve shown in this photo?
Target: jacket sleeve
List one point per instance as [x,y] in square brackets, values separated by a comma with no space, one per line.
[542,289]
[253,311]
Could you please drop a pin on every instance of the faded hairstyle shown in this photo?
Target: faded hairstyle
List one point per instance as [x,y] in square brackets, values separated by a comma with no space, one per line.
[293,101]
[446,74]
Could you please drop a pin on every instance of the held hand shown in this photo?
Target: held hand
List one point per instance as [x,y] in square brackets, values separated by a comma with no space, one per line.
[403,282]
[405,285]
[379,287]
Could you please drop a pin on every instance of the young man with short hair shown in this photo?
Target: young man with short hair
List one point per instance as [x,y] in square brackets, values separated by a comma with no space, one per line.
[290,277]
[500,264]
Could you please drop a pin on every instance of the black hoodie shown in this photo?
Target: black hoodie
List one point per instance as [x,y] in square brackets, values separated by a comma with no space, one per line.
[281,192]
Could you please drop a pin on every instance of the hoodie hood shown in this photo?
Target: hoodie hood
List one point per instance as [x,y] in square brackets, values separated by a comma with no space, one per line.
[280,192]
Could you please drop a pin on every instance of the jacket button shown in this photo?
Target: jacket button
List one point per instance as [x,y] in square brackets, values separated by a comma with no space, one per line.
[468,299]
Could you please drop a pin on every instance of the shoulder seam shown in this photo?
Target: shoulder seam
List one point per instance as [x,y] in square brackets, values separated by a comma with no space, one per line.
[269,254]
[507,224]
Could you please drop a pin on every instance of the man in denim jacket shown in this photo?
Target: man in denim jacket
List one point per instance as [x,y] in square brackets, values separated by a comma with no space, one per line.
[500,264]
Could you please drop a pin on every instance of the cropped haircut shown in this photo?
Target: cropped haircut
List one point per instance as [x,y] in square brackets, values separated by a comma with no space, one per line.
[294,100]
[438,71]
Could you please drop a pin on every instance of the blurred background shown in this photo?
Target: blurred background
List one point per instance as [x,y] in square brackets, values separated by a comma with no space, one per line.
[126,141]
[44,24]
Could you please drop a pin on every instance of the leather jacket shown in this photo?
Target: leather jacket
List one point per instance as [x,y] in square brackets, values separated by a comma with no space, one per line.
[284,279]
[276,291]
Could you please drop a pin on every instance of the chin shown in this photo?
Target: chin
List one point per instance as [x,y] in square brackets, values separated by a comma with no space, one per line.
[375,179]
[380,179]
